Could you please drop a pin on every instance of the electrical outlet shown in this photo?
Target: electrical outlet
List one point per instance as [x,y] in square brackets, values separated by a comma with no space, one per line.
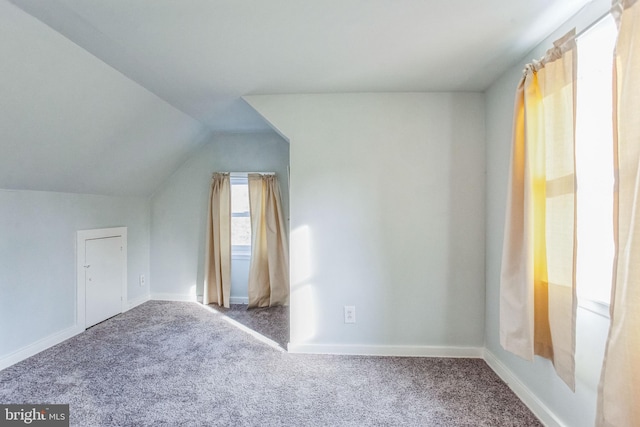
[349,314]
[141,280]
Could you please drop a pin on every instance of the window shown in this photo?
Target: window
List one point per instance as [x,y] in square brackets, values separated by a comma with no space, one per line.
[240,217]
[594,163]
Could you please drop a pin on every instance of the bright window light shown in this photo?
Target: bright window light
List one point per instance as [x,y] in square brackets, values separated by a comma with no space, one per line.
[594,162]
[240,217]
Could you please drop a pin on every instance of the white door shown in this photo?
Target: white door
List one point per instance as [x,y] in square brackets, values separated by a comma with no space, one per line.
[104,267]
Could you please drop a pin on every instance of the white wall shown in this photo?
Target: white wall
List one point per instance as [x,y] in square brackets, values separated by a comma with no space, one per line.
[539,377]
[179,208]
[38,258]
[387,214]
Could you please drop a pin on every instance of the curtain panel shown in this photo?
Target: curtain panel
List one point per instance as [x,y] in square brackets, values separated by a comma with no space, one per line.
[269,269]
[619,389]
[217,261]
[537,289]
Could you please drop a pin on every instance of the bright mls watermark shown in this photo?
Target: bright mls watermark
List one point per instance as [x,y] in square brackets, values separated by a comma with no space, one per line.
[34,415]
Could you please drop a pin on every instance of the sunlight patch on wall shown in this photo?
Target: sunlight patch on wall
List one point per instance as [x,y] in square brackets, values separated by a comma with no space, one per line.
[303,296]
[300,255]
[303,313]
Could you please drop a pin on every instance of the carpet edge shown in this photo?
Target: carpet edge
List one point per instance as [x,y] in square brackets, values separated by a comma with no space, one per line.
[524,393]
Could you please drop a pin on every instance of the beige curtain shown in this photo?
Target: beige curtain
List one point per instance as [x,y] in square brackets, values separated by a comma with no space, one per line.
[217,266]
[269,270]
[537,289]
[619,389]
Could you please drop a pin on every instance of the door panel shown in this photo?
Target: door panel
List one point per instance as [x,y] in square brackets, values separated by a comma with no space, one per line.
[104,267]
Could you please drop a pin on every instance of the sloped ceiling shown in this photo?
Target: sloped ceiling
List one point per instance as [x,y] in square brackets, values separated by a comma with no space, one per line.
[71,123]
[110,94]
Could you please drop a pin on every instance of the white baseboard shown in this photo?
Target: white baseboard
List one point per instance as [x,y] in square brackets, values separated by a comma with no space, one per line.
[173,297]
[137,301]
[54,339]
[239,300]
[38,346]
[388,350]
[232,300]
[539,409]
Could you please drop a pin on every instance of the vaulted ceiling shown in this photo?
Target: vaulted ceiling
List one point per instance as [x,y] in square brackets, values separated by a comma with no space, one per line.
[109,96]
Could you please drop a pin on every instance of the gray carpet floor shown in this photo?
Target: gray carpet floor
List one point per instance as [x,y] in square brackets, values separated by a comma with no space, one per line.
[179,364]
[271,322]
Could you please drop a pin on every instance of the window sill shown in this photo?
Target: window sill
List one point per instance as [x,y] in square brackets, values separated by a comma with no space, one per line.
[595,307]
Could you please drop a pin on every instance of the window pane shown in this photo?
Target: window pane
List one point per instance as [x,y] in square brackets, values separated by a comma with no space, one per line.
[594,162]
[240,220]
[240,231]
[240,197]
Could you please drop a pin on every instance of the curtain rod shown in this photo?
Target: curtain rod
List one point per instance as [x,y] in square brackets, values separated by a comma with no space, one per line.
[247,173]
[558,44]
[593,24]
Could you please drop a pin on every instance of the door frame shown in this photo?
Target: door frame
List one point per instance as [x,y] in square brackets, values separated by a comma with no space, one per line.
[81,237]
